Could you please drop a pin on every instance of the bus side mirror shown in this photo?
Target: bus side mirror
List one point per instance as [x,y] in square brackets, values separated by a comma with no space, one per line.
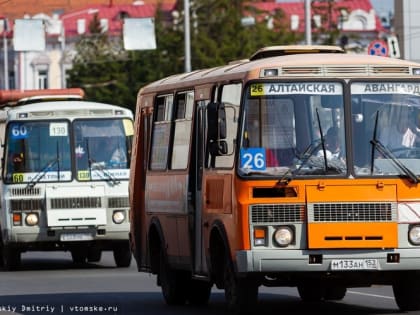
[212,122]
[216,122]
[221,112]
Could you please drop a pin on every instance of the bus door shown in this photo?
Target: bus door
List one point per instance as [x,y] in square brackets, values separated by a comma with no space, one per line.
[196,189]
[218,142]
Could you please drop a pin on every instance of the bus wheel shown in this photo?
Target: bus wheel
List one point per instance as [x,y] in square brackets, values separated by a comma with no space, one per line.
[79,255]
[406,295]
[199,292]
[122,255]
[241,294]
[11,258]
[172,282]
[311,292]
[335,293]
[94,254]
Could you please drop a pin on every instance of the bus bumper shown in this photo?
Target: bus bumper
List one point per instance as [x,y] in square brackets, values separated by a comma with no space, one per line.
[25,238]
[273,261]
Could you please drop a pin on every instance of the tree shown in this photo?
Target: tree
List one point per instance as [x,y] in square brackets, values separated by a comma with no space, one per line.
[329,31]
[220,36]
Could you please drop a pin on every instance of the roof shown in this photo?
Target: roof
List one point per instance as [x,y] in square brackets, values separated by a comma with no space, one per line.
[272,51]
[113,14]
[298,8]
[8,97]
[70,108]
[18,8]
[320,65]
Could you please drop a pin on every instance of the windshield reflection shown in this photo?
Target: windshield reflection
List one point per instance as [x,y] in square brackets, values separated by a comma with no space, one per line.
[386,128]
[291,134]
[31,146]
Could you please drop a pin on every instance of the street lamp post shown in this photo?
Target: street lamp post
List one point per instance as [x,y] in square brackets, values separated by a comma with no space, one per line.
[63,40]
[308,26]
[187,36]
[5,55]
[63,52]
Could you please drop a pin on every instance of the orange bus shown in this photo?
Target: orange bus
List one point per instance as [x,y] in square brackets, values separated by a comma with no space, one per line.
[297,167]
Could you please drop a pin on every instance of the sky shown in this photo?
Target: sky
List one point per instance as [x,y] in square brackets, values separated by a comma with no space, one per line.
[383,7]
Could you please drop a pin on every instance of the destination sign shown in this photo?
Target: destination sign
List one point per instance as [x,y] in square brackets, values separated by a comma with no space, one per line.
[386,88]
[318,88]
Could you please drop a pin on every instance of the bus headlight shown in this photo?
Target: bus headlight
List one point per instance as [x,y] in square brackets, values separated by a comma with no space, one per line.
[283,236]
[414,235]
[31,219]
[118,217]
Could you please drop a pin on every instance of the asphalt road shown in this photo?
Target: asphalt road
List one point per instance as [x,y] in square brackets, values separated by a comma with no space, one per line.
[49,283]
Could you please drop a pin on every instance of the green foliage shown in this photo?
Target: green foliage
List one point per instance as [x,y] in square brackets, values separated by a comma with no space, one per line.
[111,75]
[329,32]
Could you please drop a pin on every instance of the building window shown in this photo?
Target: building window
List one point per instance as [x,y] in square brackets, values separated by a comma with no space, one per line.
[12,80]
[42,79]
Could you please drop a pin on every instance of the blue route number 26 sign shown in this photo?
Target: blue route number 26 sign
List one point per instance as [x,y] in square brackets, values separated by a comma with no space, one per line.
[253,158]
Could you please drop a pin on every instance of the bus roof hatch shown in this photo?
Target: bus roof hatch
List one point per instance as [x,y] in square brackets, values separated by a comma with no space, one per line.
[22,97]
[274,51]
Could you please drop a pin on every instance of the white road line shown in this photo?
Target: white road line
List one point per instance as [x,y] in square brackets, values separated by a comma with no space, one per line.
[373,295]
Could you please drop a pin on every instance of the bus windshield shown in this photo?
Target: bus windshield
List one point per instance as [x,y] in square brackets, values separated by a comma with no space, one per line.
[386,128]
[102,148]
[294,128]
[37,151]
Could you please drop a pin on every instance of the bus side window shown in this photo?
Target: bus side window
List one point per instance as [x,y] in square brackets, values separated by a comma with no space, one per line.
[161,132]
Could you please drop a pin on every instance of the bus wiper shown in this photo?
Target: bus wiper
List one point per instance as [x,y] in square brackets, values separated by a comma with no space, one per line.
[93,165]
[42,173]
[304,158]
[324,150]
[58,162]
[376,144]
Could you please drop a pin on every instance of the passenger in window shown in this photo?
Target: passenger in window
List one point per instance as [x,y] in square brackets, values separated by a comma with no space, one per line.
[270,158]
[399,134]
[18,162]
[332,145]
[109,153]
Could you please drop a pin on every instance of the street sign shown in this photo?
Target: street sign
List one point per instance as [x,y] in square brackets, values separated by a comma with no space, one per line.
[394,48]
[29,35]
[139,34]
[378,48]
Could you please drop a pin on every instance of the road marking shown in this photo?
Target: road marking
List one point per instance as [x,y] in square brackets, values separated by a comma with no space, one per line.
[373,295]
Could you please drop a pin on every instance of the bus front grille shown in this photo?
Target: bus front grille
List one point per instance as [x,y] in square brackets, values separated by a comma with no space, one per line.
[352,212]
[118,202]
[277,213]
[24,191]
[26,204]
[76,203]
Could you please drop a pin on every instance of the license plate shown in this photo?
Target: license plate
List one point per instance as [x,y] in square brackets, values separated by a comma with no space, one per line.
[69,237]
[354,264]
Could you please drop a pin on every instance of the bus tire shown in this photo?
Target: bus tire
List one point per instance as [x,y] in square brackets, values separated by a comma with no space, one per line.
[406,295]
[241,294]
[11,258]
[311,292]
[94,254]
[172,283]
[79,255]
[122,255]
[335,293]
[199,292]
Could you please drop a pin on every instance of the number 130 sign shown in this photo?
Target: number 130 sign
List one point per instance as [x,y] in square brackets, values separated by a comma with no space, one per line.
[253,158]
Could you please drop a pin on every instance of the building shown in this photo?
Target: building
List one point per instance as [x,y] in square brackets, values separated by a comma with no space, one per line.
[65,21]
[407,28]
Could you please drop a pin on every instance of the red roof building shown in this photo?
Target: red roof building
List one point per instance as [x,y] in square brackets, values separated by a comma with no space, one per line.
[19,8]
[111,17]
